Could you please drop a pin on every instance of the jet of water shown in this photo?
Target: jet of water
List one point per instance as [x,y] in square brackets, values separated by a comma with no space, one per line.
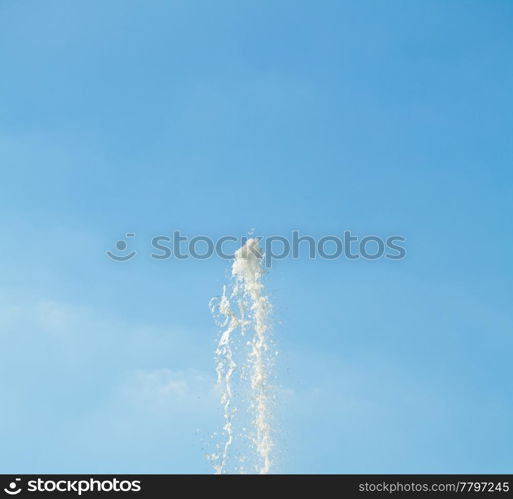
[244,310]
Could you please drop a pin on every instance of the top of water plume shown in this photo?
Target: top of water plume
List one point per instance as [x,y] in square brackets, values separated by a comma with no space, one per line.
[247,264]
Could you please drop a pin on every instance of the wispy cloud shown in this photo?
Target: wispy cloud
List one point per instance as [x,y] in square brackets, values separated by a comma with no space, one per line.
[78,380]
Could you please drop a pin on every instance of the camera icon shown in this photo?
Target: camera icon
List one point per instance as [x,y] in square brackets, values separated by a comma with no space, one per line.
[13,489]
[121,254]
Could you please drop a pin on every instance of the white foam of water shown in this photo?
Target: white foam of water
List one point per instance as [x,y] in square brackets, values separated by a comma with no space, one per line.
[245,310]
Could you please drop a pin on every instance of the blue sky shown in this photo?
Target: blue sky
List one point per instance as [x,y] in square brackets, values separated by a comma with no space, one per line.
[214,118]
